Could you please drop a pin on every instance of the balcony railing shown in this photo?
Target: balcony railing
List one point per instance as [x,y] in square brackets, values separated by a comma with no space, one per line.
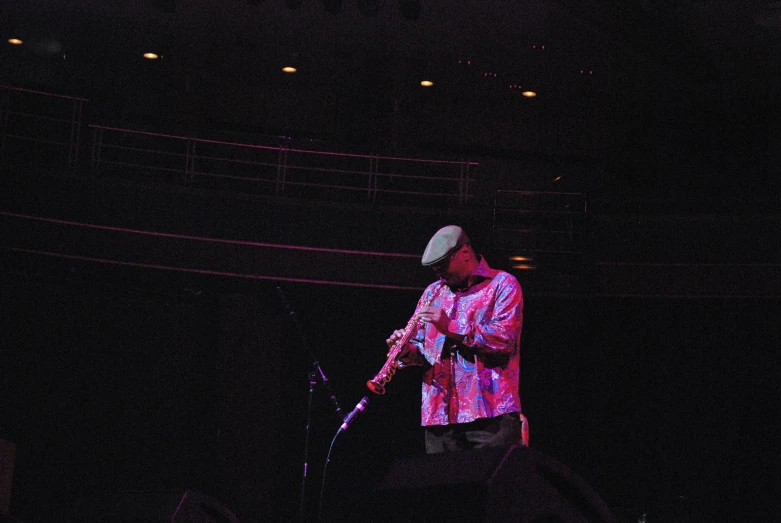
[542,235]
[40,129]
[280,170]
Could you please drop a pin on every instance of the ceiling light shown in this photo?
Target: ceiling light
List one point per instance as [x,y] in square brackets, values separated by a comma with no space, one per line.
[529,94]
[520,258]
[426,83]
[151,56]
[289,69]
[14,41]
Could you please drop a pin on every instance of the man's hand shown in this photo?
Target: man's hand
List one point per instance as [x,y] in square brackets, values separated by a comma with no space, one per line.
[397,334]
[437,317]
[408,354]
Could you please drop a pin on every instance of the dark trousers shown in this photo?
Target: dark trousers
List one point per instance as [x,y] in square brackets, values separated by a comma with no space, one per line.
[486,432]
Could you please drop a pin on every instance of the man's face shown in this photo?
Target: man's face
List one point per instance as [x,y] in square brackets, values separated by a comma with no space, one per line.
[452,268]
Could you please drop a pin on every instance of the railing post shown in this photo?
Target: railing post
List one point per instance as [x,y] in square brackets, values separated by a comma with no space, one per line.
[189,162]
[97,141]
[374,167]
[75,138]
[281,171]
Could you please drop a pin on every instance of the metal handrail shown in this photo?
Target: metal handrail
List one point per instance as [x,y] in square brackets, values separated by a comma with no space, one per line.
[199,159]
[51,95]
[370,178]
[74,136]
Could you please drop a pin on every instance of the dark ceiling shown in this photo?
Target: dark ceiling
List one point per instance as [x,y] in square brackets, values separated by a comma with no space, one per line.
[643,85]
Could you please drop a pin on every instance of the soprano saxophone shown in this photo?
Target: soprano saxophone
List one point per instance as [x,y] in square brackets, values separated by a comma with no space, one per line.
[377,384]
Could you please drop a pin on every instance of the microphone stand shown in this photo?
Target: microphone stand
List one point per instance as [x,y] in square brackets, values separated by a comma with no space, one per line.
[307,438]
[316,374]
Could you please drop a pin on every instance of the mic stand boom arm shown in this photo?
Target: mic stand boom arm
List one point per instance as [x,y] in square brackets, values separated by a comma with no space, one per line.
[316,373]
[317,368]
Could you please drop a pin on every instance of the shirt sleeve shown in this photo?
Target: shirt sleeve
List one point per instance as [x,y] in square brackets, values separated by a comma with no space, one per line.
[500,334]
[416,358]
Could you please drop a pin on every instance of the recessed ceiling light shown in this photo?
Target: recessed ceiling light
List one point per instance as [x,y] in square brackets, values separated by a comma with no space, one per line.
[289,69]
[426,83]
[14,41]
[151,56]
[529,94]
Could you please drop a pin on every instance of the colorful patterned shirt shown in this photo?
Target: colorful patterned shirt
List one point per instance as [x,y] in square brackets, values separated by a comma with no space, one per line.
[476,377]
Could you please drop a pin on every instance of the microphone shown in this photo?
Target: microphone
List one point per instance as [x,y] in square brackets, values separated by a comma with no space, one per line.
[357,410]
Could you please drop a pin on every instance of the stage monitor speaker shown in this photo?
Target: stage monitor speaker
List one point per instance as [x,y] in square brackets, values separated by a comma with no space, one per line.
[198,508]
[152,507]
[7,453]
[497,485]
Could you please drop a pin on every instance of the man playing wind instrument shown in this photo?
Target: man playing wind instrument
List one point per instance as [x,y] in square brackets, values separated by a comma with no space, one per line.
[468,340]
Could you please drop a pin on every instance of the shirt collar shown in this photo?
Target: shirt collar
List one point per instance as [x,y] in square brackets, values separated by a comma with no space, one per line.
[482,272]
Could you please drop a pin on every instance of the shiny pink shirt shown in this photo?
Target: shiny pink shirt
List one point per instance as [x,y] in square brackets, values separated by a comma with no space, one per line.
[476,377]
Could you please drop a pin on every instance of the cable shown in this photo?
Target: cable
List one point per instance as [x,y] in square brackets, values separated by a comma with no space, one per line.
[325,466]
[349,419]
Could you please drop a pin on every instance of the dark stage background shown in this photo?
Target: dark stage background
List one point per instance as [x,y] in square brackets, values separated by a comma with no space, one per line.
[113,383]
[149,208]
